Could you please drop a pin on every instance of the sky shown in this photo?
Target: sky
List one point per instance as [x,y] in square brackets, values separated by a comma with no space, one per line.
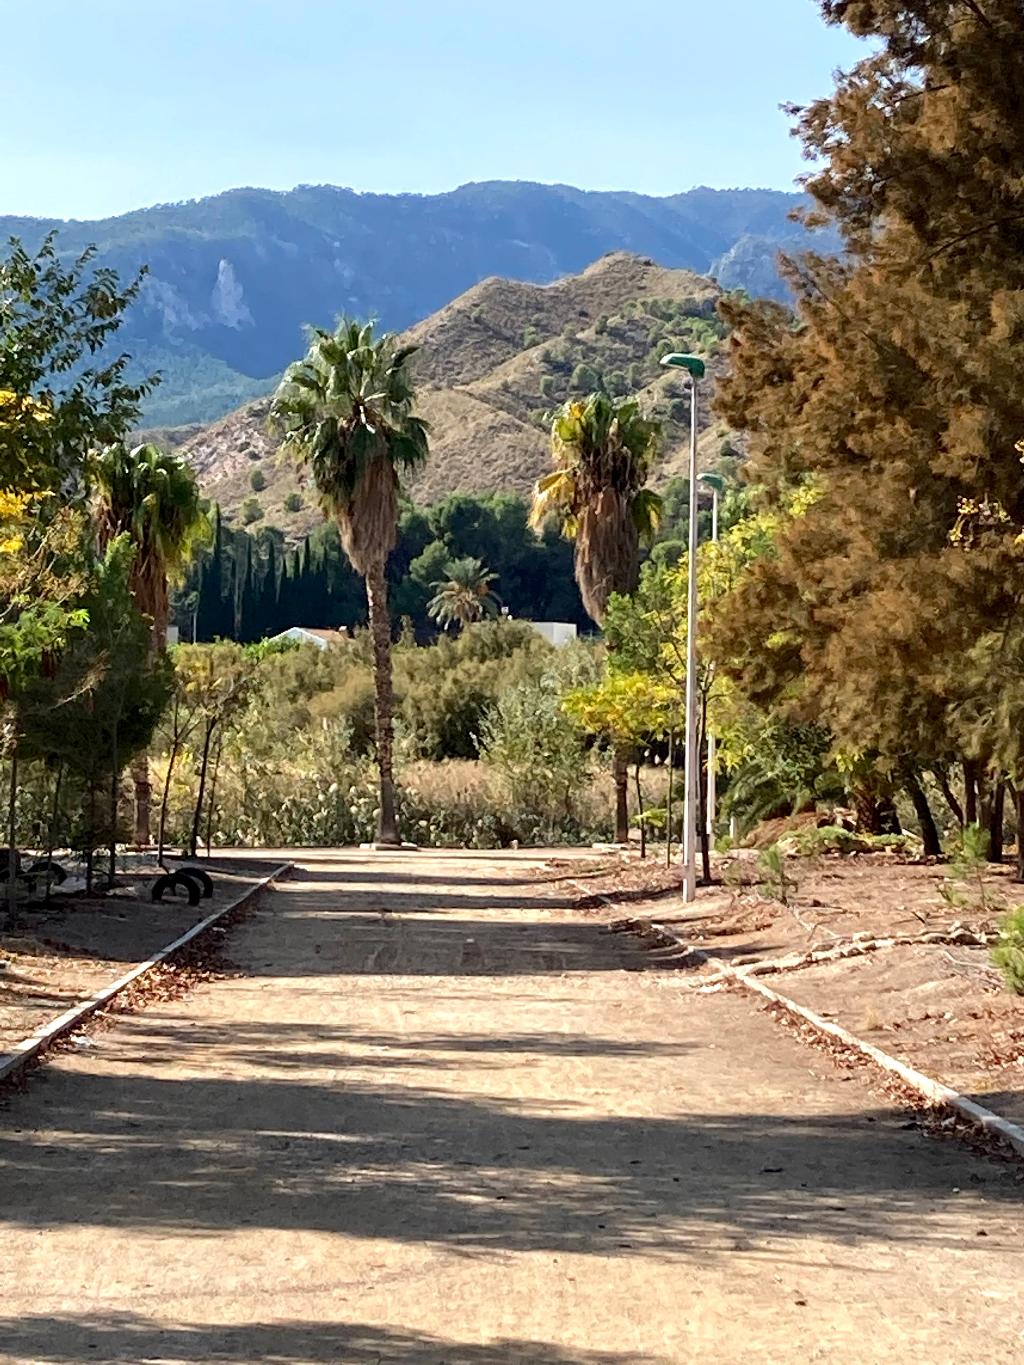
[119,104]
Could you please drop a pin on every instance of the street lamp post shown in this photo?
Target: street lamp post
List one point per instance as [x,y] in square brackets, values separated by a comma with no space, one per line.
[714,482]
[694,367]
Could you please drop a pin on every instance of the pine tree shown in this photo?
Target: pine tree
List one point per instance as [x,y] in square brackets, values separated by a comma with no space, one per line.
[898,396]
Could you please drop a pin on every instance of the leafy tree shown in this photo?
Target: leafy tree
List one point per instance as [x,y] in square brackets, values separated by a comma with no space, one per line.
[346,409]
[152,497]
[61,393]
[465,595]
[213,683]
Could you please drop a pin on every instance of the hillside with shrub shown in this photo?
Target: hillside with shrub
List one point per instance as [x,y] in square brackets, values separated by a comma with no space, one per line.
[491,365]
[233,279]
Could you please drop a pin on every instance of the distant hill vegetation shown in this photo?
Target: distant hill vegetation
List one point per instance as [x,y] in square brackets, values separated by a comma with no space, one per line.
[491,365]
[234,278]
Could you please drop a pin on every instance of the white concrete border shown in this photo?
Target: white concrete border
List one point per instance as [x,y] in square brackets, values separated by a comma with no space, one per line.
[13,1062]
[935,1091]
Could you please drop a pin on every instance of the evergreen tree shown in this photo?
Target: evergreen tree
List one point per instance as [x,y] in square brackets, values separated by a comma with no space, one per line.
[897,398]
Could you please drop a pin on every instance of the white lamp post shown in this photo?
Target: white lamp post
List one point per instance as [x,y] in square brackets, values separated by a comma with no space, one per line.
[694,367]
[714,482]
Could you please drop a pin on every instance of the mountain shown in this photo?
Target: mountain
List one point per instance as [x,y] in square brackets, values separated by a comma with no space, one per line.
[490,365]
[233,279]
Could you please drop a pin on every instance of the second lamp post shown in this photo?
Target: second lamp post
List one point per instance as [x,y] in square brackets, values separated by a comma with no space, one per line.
[694,367]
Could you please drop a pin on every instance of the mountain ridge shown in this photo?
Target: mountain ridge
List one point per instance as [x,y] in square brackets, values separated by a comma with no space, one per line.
[234,278]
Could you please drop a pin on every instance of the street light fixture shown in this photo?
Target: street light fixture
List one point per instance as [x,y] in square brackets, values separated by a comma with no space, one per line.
[694,367]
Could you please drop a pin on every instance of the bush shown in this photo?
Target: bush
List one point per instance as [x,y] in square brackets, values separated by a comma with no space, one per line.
[293,502]
[257,480]
[539,755]
[1008,954]
[251,511]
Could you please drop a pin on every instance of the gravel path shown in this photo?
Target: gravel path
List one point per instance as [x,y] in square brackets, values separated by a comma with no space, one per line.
[439,1119]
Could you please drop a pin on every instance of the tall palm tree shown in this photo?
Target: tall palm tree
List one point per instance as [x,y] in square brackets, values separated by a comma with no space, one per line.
[603,451]
[346,410]
[465,595]
[153,497]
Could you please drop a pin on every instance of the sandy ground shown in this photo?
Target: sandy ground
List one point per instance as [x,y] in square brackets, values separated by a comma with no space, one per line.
[439,1117]
[62,953]
[941,1007]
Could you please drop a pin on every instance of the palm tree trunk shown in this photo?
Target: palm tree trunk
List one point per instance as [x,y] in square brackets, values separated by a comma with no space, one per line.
[380,632]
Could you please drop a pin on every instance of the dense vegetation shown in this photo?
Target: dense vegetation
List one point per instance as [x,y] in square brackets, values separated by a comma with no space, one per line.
[861,636]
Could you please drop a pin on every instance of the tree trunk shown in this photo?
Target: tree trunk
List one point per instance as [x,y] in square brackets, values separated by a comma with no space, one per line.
[1019,811]
[171,759]
[380,631]
[115,774]
[12,835]
[140,765]
[702,805]
[995,822]
[865,804]
[640,807]
[951,801]
[620,776]
[90,852]
[211,805]
[143,798]
[197,815]
[668,798]
[51,833]
[970,792]
[929,833]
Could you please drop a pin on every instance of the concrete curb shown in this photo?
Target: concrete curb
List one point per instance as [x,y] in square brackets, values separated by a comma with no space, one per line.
[15,1061]
[935,1091]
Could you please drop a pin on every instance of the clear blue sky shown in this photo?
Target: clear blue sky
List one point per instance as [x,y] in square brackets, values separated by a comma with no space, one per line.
[114,104]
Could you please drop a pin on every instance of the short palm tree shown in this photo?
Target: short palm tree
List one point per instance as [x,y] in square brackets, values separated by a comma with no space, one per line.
[346,410]
[152,497]
[464,596]
[603,451]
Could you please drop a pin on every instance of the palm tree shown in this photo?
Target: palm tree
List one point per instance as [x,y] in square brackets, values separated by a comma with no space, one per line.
[465,595]
[152,497]
[346,410]
[603,451]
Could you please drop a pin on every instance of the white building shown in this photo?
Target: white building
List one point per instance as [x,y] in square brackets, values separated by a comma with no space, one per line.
[555,632]
[313,635]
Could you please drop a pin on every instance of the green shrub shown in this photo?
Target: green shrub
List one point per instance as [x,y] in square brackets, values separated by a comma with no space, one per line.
[251,511]
[777,881]
[1008,953]
[968,865]
[257,480]
[836,839]
[293,502]
[540,756]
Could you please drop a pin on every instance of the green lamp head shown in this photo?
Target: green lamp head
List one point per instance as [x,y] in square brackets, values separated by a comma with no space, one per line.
[691,363]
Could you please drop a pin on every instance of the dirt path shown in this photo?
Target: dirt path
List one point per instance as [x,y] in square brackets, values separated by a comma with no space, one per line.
[441,1120]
